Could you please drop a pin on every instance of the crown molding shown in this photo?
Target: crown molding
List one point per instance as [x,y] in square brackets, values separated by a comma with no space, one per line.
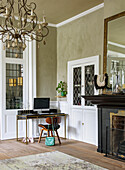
[116,44]
[81,15]
[51,25]
[73,18]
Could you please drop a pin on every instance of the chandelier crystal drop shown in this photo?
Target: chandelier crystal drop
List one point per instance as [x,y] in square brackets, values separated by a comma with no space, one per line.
[20,24]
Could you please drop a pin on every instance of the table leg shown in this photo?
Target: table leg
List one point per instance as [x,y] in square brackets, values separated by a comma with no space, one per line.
[65,127]
[17,127]
[26,131]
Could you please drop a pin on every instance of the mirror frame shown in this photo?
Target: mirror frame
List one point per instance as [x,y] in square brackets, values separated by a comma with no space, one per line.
[105,37]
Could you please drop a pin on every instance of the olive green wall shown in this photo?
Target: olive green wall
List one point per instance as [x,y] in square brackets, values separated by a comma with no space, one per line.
[47,66]
[79,39]
[112,7]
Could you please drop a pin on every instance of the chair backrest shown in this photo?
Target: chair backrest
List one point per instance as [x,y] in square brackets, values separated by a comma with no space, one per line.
[55,120]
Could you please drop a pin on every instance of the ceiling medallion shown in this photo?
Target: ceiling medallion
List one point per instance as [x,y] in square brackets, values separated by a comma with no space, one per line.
[20,24]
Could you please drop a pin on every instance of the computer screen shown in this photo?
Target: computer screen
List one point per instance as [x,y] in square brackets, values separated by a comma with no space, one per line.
[41,103]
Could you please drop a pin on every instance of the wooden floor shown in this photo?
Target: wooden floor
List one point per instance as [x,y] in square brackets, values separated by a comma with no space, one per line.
[87,152]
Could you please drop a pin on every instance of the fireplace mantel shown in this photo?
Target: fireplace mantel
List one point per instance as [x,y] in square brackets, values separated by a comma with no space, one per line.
[107,100]
[106,105]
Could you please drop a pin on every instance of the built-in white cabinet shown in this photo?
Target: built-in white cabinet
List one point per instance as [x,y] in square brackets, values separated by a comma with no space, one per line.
[90,126]
[75,125]
[83,118]
[83,125]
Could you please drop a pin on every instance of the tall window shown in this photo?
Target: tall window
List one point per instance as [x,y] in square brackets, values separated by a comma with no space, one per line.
[14,80]
[14,52]
[14,86]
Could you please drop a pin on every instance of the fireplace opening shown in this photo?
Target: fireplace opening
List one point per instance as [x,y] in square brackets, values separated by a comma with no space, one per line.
[117,134]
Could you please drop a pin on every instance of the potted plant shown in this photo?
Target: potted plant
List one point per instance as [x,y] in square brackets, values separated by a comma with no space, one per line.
[61,88]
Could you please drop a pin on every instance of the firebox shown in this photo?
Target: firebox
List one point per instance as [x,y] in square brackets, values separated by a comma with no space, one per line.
[117,134]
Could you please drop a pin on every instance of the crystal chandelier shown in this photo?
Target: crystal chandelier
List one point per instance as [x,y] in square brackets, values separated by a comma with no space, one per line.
[20,24]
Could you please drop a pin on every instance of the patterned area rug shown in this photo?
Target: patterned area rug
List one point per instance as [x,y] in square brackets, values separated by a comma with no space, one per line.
[47,161]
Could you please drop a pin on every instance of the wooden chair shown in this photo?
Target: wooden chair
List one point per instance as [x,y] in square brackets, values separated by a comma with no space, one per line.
[48,127]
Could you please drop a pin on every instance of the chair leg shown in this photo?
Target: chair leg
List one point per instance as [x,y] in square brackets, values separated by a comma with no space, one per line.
[51,133]
[58,137]
[40,135]
[48,133]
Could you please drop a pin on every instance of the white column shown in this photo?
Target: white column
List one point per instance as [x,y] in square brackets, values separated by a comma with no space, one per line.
[1,87]
[32,83]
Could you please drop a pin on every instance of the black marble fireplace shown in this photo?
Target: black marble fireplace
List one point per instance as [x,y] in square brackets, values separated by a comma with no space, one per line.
[111,124]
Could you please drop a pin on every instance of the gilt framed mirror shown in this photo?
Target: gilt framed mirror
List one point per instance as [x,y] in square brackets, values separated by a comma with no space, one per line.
[114,51]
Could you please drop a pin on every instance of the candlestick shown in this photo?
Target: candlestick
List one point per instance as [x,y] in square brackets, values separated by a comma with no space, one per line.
[31,12]
[44,19]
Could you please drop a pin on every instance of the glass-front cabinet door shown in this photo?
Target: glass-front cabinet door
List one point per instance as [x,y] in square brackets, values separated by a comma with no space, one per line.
[77,86]
[89,82]
[83,83]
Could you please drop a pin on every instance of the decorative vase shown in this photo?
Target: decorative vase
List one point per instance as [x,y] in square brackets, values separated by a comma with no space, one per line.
[117,79]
